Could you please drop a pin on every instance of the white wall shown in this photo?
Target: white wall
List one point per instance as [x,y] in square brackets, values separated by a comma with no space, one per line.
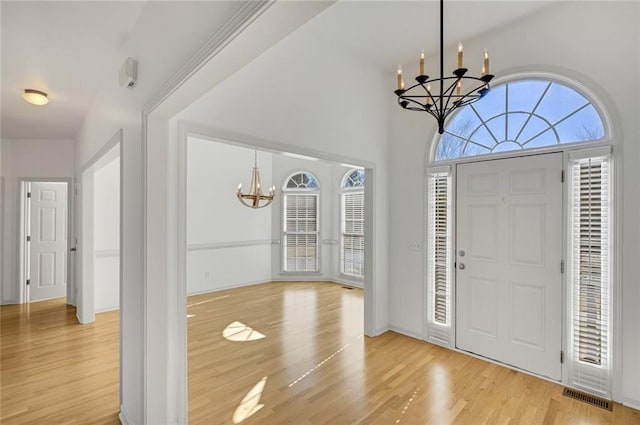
[26,158]
[228,244]
[106,235]
[558,39]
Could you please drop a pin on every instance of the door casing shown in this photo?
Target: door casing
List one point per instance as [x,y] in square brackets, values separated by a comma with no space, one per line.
[22,233]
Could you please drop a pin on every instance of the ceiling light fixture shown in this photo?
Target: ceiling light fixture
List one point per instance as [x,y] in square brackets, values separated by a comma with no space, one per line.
[441,96]
[35,97]
[255,196]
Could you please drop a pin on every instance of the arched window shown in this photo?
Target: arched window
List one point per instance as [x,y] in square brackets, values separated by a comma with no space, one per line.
[352,224]
[301,193]
[523,114]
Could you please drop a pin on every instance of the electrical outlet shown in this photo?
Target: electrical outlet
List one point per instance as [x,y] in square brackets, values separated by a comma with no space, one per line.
[415,246]
[207,274]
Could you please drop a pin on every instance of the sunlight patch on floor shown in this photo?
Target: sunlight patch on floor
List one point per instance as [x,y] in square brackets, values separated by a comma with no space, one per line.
[208,301]
[250,404]
[239,332]
[406,406]
[310,371]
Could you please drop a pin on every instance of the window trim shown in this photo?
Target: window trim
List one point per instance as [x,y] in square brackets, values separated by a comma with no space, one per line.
[301,191]
[575,368]
[344,190]
[438,333]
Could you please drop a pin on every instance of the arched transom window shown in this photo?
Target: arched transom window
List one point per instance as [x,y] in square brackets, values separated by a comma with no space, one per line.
[522,114]
[301,181]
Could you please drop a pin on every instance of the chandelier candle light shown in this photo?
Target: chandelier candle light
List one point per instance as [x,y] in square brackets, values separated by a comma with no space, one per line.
[441,103]
[253,198]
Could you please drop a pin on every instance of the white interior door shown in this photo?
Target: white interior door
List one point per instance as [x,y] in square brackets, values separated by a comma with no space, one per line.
[48,241]
[509,253]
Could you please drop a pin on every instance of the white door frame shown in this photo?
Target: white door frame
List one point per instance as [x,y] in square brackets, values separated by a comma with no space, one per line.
[84,232]
[85,307]
[23,293]
[164,386]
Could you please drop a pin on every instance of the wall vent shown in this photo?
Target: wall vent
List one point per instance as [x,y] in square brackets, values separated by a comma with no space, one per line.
[588,398]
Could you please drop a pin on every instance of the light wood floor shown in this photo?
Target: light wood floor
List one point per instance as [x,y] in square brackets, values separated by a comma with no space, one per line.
[319,368]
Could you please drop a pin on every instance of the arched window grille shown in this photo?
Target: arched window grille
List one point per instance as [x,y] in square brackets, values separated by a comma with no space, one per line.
[523,114]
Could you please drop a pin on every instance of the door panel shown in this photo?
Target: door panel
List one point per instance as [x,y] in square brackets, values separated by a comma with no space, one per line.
[48,245]
[509,242]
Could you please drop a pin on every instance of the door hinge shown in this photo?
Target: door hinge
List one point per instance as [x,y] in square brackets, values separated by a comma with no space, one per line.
[28,238]
[28,194]
[561,356]
[28,281]
[562,266]
[562,176]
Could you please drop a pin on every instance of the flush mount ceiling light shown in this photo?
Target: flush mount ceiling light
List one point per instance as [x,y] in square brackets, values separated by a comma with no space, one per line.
[253,198]
[448,92]
[35,97]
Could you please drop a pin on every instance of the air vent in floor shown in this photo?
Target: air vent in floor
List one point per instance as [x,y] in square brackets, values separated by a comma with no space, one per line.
[588,398]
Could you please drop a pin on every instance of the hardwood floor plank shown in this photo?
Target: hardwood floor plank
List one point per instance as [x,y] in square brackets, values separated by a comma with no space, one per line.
[319,368]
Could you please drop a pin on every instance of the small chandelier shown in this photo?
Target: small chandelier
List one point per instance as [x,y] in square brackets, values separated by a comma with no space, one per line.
[450,93]
[255,196]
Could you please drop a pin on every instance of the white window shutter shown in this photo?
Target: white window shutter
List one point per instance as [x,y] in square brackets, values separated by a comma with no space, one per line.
[300,245]
[352,234]
[590,274]
[439,257]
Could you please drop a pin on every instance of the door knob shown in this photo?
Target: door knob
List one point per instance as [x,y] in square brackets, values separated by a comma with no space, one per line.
[73,249]
[462,266]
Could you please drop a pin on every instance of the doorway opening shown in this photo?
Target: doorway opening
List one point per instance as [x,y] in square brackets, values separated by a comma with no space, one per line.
[44,239]
[100,230]
[284,282]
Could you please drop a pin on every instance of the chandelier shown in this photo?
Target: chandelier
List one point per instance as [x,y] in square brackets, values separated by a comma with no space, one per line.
[441,96]
[253,198]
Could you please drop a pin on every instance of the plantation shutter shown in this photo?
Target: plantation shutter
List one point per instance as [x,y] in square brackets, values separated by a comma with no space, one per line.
[300,232]
[353,233]
[439,255]
[590,273]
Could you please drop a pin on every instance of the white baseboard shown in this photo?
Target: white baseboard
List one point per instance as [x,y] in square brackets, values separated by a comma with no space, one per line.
[124,419]
[107,309]
[629,402]
[222,288]
[379,332]
[406,332]
[340,281]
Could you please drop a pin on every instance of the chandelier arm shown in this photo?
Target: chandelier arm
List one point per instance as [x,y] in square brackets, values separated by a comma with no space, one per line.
[449,93]
[414,101]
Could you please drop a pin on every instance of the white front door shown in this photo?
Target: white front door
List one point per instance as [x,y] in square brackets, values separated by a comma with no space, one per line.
[48,241]
[509,253]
